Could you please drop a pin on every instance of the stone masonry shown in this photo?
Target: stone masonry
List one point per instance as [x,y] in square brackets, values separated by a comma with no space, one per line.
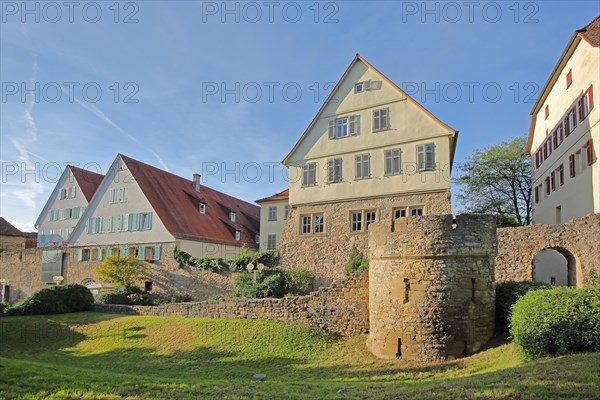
[23,271]
[341,308]
[431,286]
[326,254]
[578,240]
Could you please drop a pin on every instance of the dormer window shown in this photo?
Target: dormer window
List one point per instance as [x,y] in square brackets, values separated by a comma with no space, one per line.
[362,86]
[232,216]
[202,208]
[238,235]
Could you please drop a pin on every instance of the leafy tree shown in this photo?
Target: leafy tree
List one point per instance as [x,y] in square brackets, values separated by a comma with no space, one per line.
[497,180]
[122,272]
[356,263]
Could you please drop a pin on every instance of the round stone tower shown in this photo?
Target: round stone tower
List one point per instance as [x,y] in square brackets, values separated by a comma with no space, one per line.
[431,286]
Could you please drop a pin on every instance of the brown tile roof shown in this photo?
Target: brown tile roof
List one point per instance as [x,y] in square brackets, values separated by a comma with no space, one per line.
[177,205]
[88,181]
[281,196]
[7,229]
[591,32]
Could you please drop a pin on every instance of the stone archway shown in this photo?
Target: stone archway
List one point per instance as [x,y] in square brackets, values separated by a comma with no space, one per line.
[576,240]
[556,266]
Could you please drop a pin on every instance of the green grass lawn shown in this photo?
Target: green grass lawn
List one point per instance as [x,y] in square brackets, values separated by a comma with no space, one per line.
[104,356]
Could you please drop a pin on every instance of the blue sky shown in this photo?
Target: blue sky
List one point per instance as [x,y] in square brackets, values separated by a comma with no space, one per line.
[82,83]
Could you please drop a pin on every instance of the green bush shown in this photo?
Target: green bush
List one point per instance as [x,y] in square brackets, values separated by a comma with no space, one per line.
[240,262]
[507,294]
[270,282]
[213,264]
[56,299]
[269,258]
[139,298]
[555,322]
[3,307]
[119,296]
[300,281]
[356,263]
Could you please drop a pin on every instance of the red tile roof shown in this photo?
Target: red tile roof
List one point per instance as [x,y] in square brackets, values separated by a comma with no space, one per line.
[88,181]
[591,32]
[8,229]
[281,196]
[177,205]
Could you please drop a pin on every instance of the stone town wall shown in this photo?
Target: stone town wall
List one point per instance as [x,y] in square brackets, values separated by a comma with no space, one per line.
[578,240]
[341,308]
[326,254]
[23,271]
[432,290]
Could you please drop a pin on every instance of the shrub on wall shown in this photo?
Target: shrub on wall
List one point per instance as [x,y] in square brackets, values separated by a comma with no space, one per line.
[122,272]
[270,282]
[356,263]
[56,299]
[507,294]
[269,258]
[300,281]
[555,322]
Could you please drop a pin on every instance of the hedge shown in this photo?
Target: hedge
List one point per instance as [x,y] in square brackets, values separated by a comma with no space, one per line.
[56,299]
[507,294]
[555,322]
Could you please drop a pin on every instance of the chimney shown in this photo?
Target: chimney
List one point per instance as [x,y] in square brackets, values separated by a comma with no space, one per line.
[196,181]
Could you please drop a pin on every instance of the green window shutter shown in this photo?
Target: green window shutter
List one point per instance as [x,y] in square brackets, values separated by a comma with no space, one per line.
[142,253]
[125,223]
[149,221]
[109,251]
[157,252]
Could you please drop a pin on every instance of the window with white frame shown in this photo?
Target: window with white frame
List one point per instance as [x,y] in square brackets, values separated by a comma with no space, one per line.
[306,224]
[95,225]
[585,104]
[416,211]
[363,166]
[344,127]
[399,212]
[381,119]
[309,174]
[312,223]
[359,87]
[571,121]
[319,223]
[334,170]
[273,213]
[426,157]
[392,162]
[356,221]
[369,218]
[202,208]
[271,242]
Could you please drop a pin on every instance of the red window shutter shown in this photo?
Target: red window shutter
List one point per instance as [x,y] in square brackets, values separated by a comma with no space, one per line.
[567,130]
[547,112]
[590,152]
[569,78]
[580,107]
[555,138]
[572,165]
[574,112]
[591,97]
[547,182]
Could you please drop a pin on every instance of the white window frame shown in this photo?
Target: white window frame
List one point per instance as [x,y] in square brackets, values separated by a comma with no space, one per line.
[416,211]
[381,120]
[272,213]
[400,211]
[370,217]
[306,224]
[271,241]
[362,166]
[359,87]
[309,174]
[318,223]
[356,221]
[334,170]
[395,162]
[426,157]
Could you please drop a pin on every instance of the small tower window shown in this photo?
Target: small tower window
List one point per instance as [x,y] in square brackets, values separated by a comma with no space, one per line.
[202,208]
[406,290]
[472,289]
